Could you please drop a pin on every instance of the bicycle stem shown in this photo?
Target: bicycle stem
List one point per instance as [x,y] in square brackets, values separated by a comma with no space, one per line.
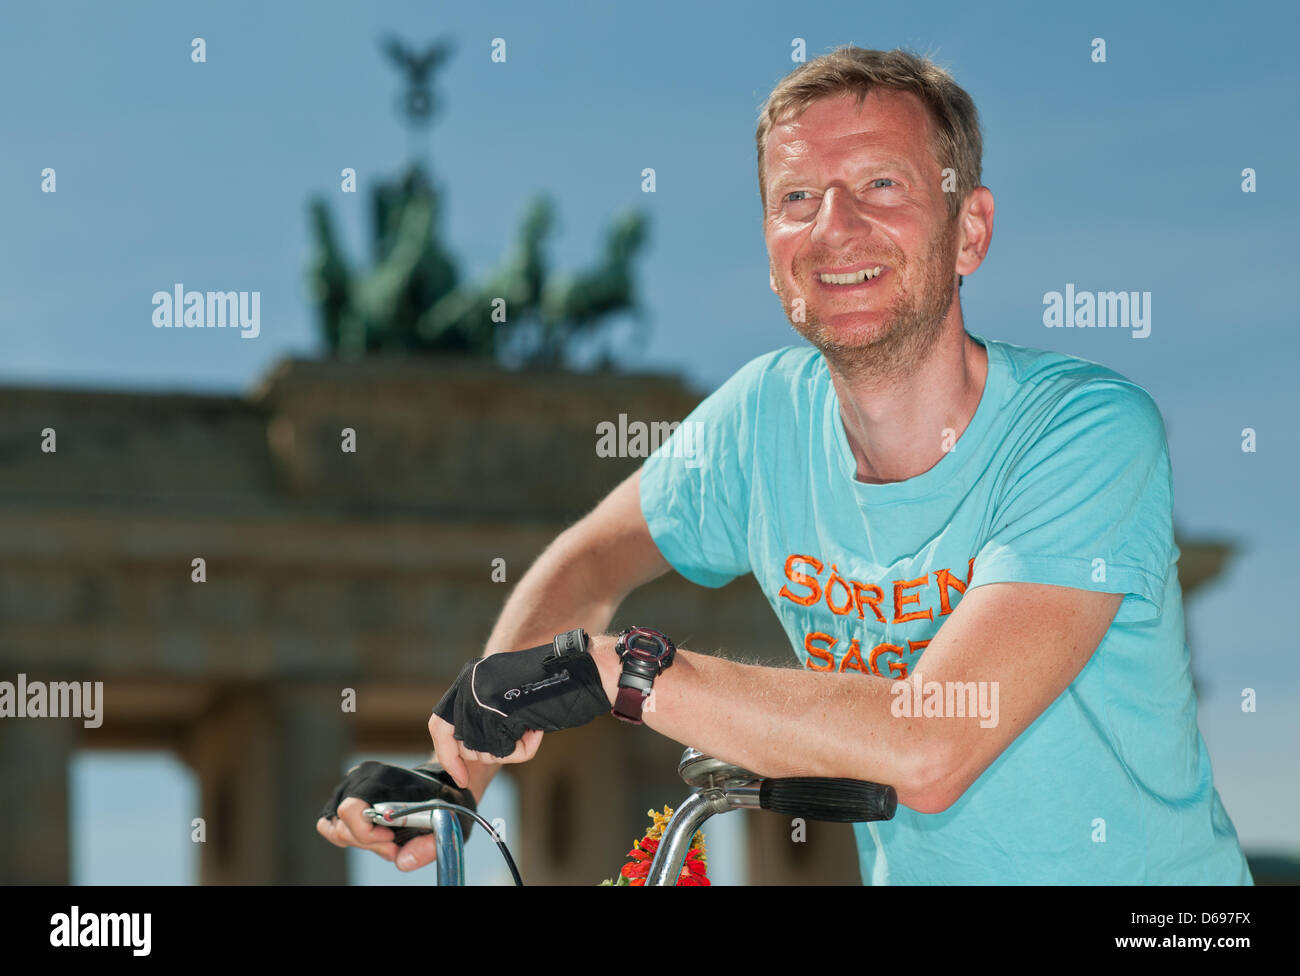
[675,843]
[449,848]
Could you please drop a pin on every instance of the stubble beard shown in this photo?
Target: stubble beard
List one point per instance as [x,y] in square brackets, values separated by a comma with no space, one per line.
[912,326]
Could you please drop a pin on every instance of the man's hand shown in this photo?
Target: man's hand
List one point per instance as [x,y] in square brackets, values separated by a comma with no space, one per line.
[351,829]
[465,765]
[343,824]
[499,705]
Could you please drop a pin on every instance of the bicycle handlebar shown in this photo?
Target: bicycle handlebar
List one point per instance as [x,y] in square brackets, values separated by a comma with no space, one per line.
[723,786]
[832,800]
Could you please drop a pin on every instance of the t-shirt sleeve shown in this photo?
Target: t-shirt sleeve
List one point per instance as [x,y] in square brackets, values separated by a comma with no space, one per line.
[1088,503]
[695,485]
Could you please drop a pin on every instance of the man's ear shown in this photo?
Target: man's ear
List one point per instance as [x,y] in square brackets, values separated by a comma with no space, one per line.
[975,230]
[771,278]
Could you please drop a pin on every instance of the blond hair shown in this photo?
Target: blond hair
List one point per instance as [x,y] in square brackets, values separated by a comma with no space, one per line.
[957,142]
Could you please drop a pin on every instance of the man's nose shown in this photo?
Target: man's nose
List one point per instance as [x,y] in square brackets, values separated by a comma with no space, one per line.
[839,218]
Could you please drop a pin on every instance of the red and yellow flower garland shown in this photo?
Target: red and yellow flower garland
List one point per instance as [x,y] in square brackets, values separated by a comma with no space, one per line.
[643,852]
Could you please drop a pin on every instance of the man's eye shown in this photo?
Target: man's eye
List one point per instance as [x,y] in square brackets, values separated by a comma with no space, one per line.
[883,179]
[789,195]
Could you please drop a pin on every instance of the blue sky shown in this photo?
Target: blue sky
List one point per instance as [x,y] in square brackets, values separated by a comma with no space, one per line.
[1122,175]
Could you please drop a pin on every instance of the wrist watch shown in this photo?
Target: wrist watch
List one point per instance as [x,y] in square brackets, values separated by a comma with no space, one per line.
[645,653]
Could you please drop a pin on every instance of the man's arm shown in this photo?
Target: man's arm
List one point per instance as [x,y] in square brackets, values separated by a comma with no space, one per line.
[579,581]
[1030,640]
[583,575]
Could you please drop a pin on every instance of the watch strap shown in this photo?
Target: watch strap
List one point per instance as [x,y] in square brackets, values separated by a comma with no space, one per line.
[628,705]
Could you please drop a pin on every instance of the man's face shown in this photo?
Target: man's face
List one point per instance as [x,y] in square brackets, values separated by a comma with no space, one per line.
[851,189]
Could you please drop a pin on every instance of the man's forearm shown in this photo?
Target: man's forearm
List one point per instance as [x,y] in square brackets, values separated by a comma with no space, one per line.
[557,594]
[785,722]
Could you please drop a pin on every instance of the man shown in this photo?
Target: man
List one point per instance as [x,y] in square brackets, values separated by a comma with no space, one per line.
[968,542]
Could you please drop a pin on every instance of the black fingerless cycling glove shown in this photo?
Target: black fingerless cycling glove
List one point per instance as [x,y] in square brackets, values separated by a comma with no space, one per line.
[378,782]
[496,699]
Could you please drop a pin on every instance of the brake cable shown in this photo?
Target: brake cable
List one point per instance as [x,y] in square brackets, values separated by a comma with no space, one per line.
[446,805]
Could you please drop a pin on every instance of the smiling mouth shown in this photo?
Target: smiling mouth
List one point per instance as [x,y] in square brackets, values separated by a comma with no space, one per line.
[852,277]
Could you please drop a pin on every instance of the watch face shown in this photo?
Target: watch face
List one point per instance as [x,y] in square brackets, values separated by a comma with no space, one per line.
[645,646]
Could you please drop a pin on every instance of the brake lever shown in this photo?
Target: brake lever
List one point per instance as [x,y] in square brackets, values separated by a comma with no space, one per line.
[389,814]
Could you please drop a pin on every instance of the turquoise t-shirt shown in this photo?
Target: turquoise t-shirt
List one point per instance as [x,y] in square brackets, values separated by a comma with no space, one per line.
[1061,477]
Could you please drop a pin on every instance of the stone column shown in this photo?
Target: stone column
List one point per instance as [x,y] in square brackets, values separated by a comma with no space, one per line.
[34,821]
[267,757]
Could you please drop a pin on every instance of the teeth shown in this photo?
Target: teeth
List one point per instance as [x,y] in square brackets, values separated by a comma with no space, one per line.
[853,277]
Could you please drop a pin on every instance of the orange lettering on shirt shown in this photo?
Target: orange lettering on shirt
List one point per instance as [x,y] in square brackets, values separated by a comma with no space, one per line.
[900,600]
[835,577]
[803,579]
[944,579]
[853,660]
[822,654]
[863,591]
[880,649]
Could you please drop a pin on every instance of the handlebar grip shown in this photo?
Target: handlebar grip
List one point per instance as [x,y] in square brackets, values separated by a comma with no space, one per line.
[831,800]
